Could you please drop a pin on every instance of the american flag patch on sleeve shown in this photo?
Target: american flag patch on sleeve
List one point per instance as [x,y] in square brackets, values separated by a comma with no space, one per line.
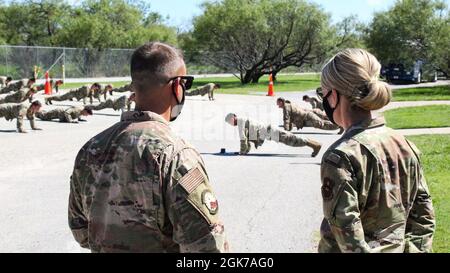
[191,180]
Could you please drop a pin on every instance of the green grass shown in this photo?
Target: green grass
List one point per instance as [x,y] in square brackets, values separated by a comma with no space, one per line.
[435,161]
[232,85]
[77,84]
[432,116]
[422,93]
[284,83]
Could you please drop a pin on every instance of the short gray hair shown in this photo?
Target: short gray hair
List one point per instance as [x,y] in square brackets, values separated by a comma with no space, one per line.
[153,64]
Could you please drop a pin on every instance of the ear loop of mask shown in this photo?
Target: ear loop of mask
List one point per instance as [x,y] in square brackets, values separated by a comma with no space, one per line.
[177,108]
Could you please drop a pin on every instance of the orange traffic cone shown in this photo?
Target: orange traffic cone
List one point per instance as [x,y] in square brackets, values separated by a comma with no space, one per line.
[271,91]
[47,86]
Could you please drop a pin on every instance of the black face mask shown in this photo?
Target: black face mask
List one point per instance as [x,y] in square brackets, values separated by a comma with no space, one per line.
[326,106]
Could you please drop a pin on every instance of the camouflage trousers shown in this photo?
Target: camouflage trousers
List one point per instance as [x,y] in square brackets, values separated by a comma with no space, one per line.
[50,115]
[115,105]
[276,135]
[321,114]
[67,96]
[313,120]
[199,92]
[9,117]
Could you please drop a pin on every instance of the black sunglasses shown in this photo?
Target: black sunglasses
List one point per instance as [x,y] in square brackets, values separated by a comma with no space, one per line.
[186,81]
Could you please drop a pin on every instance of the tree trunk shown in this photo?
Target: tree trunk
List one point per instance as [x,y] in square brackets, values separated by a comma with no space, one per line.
[256,77]
[274,75]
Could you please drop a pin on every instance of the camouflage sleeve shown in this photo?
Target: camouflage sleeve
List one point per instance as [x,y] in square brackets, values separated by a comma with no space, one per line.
[20,124]
[287,120]
[77,220]
[340,203]
[192,206]
[68,117]
[421,224]
[245,144]
[30,117]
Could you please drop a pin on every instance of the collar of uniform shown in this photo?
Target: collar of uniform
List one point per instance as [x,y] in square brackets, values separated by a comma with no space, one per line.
[142,116]
[368,124]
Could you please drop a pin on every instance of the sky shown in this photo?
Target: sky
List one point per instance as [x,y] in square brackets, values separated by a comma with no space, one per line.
[182,11]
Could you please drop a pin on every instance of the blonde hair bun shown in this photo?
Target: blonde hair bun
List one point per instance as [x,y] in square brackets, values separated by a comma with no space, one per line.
[354,73]
[379,95]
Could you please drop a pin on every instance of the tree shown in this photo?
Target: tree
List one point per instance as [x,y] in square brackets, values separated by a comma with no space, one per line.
[256,37]
[32,22]
[412,30]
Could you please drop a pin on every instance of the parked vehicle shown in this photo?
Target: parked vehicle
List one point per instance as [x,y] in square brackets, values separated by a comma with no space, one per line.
[417,73]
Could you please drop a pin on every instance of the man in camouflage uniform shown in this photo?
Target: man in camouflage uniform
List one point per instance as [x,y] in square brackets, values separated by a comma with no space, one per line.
[70,115]
[117,104]
[121,89]
[137,187]
[4,81]
[301,117]
[24,83]
[18,96]
[99,92]
[315,102]
[370,216]
[203,90]
[55,85]
[80,94]
[252,132]
[18,111]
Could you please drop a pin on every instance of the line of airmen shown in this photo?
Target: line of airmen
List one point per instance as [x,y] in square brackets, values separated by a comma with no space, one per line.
[249,131]
[13,96]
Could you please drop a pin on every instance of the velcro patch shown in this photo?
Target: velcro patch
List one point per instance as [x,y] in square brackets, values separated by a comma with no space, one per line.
[192,180]
[333,159]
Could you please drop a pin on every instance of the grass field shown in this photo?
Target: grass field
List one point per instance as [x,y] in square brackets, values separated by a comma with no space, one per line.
[432,116]
[422,93]
[231,85]
[289,83]
[435,160]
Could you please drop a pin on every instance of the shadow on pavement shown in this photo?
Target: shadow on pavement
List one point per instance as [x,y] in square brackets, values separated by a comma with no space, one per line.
[109,115]
[312,133]
[259,155]
[306,163]
[8,131]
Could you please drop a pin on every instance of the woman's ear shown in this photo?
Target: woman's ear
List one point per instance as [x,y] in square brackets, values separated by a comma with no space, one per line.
[333,100]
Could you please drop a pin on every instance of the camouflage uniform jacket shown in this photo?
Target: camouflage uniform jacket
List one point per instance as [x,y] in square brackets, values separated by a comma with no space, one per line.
[81,93]
[14,86]
[375,197]
[3,81]
[16,97]
[70,114]
[136,187]
[250,131]
[316,103]
[293,114]
[202,90]
[120,103]
[122,89]
[17,111]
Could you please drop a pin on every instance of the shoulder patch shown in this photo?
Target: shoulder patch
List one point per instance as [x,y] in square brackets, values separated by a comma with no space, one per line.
[327,189]
[334,159]
[192,180]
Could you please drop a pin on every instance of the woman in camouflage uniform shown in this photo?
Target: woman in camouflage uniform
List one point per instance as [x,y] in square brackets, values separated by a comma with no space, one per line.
[375,197]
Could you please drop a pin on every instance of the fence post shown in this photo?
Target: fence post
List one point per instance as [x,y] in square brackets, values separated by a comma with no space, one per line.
[64,66]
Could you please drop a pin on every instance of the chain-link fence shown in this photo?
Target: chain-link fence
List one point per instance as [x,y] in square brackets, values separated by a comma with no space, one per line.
[23,61]
[26,61]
